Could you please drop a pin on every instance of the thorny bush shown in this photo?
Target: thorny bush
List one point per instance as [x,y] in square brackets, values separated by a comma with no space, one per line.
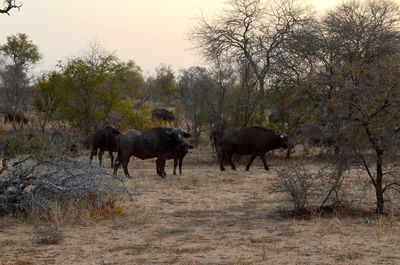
[303,186]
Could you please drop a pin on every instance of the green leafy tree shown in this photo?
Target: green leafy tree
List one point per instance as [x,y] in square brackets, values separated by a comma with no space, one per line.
[16,76]
[165,84]
[87,91]
[48,99]
[131,118]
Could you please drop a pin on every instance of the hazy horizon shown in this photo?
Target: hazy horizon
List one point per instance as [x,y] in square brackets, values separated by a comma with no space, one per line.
[149,32]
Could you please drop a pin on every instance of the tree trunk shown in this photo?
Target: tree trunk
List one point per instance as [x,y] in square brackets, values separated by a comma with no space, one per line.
[379,182]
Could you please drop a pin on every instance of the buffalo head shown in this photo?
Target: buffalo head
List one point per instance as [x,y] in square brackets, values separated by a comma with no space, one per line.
[283,140]
[176,134]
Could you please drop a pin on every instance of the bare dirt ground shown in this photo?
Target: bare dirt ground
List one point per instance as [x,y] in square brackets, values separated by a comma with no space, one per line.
[206,217]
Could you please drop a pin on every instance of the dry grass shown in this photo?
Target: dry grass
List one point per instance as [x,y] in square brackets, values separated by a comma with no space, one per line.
[80,212]
[48,234]
[206,217]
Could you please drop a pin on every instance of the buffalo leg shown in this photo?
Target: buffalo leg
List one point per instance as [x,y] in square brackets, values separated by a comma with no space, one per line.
[180,166]
[123,160]
[93,153]
[101,152]
[160,164]
[221,162]
[264,162]
[116,166]
[124,164]
[250,162]
[125,168]
[220,155]
[175,165]
[231,161]
[112,158]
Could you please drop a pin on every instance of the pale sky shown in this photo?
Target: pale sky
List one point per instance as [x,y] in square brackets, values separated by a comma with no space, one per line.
[150,32]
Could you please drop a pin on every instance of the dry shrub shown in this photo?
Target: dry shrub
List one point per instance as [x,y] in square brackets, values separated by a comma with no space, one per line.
[389,221]
[17,143]
[296,184]
[83,211]
[38,143]
[310,189]
[94,209]
[48,234]
[58,189]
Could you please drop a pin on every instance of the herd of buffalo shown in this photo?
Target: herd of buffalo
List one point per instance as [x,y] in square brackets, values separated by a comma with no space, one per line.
[168,143]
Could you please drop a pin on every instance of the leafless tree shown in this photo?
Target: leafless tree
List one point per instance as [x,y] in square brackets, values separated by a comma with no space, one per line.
[251,30]
[223,74]
[192,90]
[355,69]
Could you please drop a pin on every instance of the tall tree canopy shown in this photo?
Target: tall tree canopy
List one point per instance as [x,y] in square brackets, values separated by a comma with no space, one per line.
[16,78]
[87,91]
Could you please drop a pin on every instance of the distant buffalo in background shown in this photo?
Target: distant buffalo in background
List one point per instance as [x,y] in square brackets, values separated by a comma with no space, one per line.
[162,114]
[254,141]
[178,154]
[17,117]
[105,139]
[145,144]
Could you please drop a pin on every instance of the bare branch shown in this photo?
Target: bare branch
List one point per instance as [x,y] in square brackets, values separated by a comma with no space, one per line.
[8,5]
[31,182]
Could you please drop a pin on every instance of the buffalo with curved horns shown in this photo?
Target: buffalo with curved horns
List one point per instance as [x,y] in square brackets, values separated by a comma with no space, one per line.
[254,141]
[145,144]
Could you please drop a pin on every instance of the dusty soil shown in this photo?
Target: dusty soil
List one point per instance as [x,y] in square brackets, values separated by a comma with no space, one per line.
[205,217]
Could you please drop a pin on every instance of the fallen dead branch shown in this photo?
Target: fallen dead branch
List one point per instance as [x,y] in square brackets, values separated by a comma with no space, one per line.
[33,185]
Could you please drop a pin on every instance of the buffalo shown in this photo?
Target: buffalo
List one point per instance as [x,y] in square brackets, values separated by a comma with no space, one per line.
[17,117]
[162,114]
[145,144]
[254,141]
[105,139]
[178,154]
